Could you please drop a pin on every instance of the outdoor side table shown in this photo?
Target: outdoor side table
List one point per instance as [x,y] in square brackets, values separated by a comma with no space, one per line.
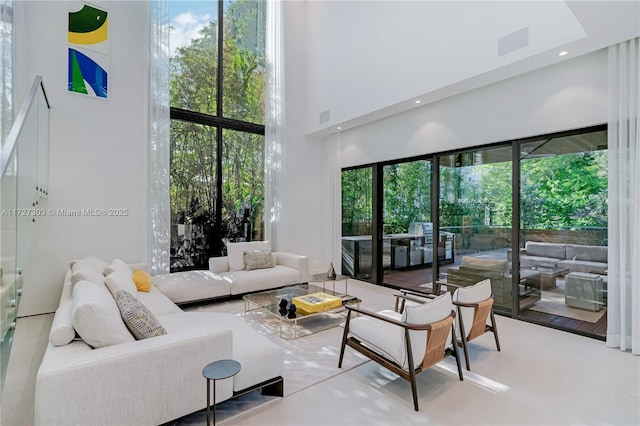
[218,370]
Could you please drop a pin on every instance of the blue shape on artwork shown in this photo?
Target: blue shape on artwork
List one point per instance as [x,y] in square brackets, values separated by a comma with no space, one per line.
[91,72]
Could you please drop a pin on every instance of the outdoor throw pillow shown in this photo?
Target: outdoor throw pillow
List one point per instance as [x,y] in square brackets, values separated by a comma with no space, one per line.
[258,259]
[138,319]
[142,280]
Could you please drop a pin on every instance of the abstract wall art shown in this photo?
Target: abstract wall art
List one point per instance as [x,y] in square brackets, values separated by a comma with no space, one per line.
[88,52]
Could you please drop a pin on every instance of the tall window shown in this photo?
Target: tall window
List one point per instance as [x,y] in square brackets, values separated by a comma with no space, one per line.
[217,88]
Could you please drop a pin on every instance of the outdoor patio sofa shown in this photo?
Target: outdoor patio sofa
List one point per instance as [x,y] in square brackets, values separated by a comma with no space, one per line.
[574,257]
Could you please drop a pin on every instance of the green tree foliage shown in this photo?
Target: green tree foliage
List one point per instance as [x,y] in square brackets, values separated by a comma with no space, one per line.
[557,192]
[565,191]
[193,86]
[357,206]
[407,195]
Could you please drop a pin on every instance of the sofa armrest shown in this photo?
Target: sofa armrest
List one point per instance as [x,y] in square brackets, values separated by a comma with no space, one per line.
[298,262]
[219,264]
[148,381]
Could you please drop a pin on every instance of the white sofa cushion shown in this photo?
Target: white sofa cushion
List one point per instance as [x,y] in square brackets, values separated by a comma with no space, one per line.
[91,261]
[62,332]
[190,286]
[157,302]
[139,320]
[117,264]
[260,358]
[84,272]
[120,280]
[261,279]
[96,317]
[236,251]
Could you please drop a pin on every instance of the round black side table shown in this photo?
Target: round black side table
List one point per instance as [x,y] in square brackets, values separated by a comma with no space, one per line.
[218,370]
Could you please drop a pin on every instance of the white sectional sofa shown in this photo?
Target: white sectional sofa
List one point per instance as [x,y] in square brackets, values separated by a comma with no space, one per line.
[230,275]
[118,380]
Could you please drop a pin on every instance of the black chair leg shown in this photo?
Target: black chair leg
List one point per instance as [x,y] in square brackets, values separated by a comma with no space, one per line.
[344,339]
[456,353]
[495,330]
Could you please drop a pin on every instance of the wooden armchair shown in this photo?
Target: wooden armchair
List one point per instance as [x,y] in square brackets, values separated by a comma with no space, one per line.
[422,333]
[474,309]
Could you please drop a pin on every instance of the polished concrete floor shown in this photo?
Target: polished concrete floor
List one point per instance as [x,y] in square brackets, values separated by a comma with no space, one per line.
[542,376]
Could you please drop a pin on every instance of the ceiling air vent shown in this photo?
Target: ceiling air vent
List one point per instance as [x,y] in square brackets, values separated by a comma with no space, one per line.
[513,41]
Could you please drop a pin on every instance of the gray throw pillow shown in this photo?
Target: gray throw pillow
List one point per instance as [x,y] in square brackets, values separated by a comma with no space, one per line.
[138,319]
[258,259]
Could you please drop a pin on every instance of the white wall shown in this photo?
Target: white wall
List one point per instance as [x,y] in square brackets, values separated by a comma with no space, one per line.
[98,148]
[304,231]
[568,95]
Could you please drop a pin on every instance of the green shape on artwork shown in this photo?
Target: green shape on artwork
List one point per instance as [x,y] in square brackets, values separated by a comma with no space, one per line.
[86,19]
[77,82]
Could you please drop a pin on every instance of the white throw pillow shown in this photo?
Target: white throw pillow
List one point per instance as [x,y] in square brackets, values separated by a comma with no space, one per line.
[91,261]
[62,332]
[235,252]
[117,264]
[83,272]
[120,280]
[96,317]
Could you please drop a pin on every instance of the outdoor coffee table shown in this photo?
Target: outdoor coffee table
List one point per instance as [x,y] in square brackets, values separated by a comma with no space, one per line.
[548,276]
[269,302]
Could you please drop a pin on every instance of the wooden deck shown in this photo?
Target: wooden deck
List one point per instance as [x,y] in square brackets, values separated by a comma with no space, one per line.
[412,279]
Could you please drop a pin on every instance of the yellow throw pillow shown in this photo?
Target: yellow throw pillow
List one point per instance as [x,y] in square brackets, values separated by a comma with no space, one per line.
[142,280]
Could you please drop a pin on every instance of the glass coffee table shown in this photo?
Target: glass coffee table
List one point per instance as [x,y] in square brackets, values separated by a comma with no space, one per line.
[269,302]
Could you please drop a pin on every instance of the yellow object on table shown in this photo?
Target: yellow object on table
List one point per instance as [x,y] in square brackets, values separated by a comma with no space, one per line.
[316,302]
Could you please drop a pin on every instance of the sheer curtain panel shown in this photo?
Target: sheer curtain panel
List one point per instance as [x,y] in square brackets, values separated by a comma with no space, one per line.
[623,320]
[274,191]
[159,123]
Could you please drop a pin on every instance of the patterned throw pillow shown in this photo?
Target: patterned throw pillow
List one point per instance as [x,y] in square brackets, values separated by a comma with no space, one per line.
[258,259]
[138,319]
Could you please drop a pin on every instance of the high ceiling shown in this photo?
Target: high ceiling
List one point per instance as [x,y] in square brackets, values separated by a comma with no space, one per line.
[469,44]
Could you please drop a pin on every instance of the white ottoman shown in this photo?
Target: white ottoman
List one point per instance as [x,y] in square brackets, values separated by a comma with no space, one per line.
[583,291]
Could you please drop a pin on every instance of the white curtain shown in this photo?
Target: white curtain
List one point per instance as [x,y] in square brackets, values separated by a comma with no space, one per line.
[335,203]
[623,317]
[275,137]
[159,213]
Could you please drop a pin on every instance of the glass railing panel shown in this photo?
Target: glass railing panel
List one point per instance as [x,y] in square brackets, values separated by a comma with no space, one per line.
[25,156]
[8,260]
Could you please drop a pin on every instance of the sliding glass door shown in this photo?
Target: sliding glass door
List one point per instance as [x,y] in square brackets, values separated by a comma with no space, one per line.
[529,215]
[563,229]
[357,222]
[407,241]
[475,220]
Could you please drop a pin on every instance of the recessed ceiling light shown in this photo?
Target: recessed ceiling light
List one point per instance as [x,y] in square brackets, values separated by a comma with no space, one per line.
[339,128]
[418,101]
[564,52]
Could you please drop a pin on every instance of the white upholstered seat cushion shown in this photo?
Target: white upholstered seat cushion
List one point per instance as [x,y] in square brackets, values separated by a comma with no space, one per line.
[189,286]
[388,339]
